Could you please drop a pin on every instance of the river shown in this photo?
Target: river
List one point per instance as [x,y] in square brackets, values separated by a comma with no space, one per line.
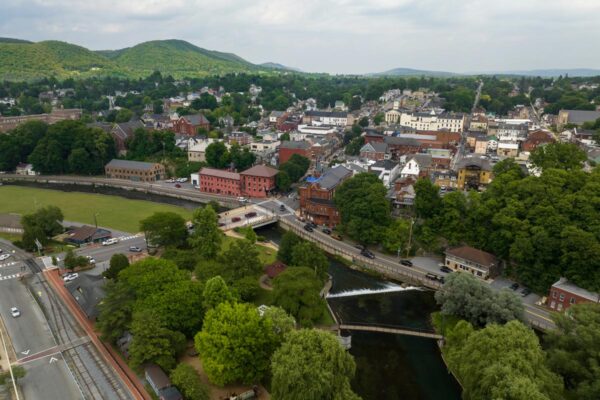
[388,366]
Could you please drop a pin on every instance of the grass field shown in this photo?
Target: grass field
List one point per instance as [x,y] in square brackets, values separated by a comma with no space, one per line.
[112,211]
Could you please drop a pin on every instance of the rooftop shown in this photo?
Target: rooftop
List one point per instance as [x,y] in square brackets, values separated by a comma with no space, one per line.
[332,114]
[567,286]
[334,176]
[472,254]
[219,173]
[260,170]
[137,165]
[296,144]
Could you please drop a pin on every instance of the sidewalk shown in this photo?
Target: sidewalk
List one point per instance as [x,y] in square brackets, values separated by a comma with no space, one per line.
[129,378]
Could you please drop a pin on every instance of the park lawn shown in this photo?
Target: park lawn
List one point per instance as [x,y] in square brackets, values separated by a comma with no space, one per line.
[11,237]
[265,254]
[112,211]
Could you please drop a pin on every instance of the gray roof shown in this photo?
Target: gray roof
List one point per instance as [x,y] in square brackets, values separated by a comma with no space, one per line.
[385,164]
[125,129]
[297,144]
[137,165]
[334,176]
[424,160]
[276,113]
[332,114]
[88,292]
[196,119]
[482,163]
[564,284]
[581,116]
[400,141]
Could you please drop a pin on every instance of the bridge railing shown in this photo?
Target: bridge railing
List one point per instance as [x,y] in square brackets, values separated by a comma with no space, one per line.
[388,326]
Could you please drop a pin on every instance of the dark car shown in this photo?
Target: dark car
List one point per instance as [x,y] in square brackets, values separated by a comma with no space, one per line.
[441,279]
[432,277]
[312,224]
[236,219]
[177,185]
[282,208]
[514,286]
[327,231]
[367,253]
[408,263]
[359,246]
[525,292]
[250,215]
[445,269]
[308,228]
[336,236]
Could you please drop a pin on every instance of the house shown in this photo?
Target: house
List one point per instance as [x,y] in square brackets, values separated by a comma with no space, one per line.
[274,269]
[427,121]
[87,234]
[277,117]
[564,294]
[134,170]
[537,138]
[197,150]
[403,193]
[316,196]
[25,169]
[375,151]
[333,118]
[481,145]
[416,166]
[288,148]
[481,264]
[189,124]
[386,170]
[160,383]
[478,123]
[507,149]
[88,291]
[576,117]
[241,138]
[445,179]
[258,181]
[473,173]
[264,146]
[122,132]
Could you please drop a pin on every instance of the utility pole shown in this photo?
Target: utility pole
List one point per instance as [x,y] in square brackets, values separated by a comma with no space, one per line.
[412,221]
[96,220]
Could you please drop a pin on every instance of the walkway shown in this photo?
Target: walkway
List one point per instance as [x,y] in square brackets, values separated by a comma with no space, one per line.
[389,329]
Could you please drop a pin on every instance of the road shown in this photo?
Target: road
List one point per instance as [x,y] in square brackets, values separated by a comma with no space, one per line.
[477,96]
[60,361]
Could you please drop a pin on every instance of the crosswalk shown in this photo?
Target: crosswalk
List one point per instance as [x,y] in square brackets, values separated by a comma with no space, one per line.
[13,276]
[9,264]
[123,238]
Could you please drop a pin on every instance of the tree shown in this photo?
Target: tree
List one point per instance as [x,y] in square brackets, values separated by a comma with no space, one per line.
[574,350]
[466,297]
[241,260]
[118,262]
[164,229]
[353,148]
[285,137]
[363,207]
[427,200]
[18,372]
[312,365]
[187,380]
[115,311]
[281,321]
[207,236]
[151,275]
[558,155]
[364,122]
[216,292]
[73,261]
[396,236]
[250,343]
[307,254]
[48,219]
[153,342]
[288,241]
[379,118]
[217,155]
[297,290]
[501,362]
[284,183]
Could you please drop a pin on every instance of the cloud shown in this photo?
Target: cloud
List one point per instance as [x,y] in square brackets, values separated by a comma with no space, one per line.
[344,36]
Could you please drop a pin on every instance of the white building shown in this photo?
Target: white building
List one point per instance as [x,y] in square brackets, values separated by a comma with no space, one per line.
[197,151]
[387,171]
[427,121]
[333,118]
[264,146]
[414,165]
[317,130]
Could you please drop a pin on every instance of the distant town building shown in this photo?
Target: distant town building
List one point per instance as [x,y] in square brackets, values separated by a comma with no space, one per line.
[288,148]
[25,169]
[473,173]
[431,121]
[576,117]
[189,124]
[477,262]
[257,181]
[334,118]
[122,132]
[564,294]
[10,123]
[134,170]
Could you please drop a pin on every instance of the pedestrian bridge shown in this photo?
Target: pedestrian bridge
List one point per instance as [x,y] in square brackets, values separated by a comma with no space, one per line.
[389,329]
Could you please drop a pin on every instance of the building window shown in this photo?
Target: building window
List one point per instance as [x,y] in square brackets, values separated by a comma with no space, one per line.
[553,294]
[562,297]
[572,300]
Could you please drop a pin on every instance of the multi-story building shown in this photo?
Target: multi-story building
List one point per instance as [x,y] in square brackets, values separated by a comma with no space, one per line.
[473,173]
[537,138]
[288,148]
[134,170]
[241,138]
[576,117]
[257,181]
[189,124]
[10,123]
[564,294]
[197,149]
[479,263]
[375,151]
[427,121]
[317,196]
[333,118]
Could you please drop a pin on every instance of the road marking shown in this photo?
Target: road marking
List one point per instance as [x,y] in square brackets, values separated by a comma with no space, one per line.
[26,352]
[13,276]
[53,360]
[539,316]
[10,264]
[123,238]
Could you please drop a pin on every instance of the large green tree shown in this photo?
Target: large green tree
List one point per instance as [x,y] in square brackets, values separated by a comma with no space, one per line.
[216,292]
[296,290]
[364,209]
[307,254]
[164,229]
[118,262]
[312,365]
[427,201]
[42,224]
[185,377]
[115,311]
[207,236]
[241,260]
[574,350]
[288,241]
[558,155]
[235,344]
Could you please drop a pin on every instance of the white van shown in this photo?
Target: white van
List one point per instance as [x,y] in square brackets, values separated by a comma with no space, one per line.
[110,241]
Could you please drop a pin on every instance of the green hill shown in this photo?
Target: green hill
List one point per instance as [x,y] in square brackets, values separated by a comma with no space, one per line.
[21,60]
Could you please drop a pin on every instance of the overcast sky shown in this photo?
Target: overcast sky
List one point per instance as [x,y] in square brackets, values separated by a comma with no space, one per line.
[336,36]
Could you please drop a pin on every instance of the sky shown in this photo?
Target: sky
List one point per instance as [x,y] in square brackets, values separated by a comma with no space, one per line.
[334,36]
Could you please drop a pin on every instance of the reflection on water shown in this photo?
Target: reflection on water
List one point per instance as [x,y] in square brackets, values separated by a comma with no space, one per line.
[388,366]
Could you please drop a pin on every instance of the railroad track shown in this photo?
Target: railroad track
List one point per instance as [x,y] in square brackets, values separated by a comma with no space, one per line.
[66,331]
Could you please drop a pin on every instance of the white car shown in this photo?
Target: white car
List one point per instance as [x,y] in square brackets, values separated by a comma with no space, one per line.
[70,277]
[182,180]
[242,199]
[91,259]
[110,241]
[4,256]
[15,312]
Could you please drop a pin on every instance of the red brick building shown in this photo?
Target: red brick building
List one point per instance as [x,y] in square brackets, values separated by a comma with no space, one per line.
[189,124]
[564,294]
[316,198]
[537,138]
[257,181]
[287,149]
[374,151]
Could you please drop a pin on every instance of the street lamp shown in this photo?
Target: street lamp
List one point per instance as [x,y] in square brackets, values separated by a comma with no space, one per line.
[96,220]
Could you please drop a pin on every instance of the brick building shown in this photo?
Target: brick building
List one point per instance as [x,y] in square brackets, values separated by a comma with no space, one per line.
[134,170]
[537,138]
[316,197]
[257,181]
[375,151]
[189,124]
[287,149]
[564,294]
[10,123]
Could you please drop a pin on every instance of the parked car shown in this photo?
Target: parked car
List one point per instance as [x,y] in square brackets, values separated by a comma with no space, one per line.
[326,231]
[236,219]
[4,256]
[14,311]
[514,286]
[312,224]
[336,236]
[408,263]
[182,180]
[250,215]
[445,269]
[177,185]
[110,241]
[91,259]
[359,246]
[308,228]
[367,253]
[525,292]
[70,277]
[431,276]
[242,199]
[135,249]
[282,208]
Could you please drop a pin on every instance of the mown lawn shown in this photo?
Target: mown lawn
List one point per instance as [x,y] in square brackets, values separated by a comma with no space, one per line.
[266,254]
[112,211]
